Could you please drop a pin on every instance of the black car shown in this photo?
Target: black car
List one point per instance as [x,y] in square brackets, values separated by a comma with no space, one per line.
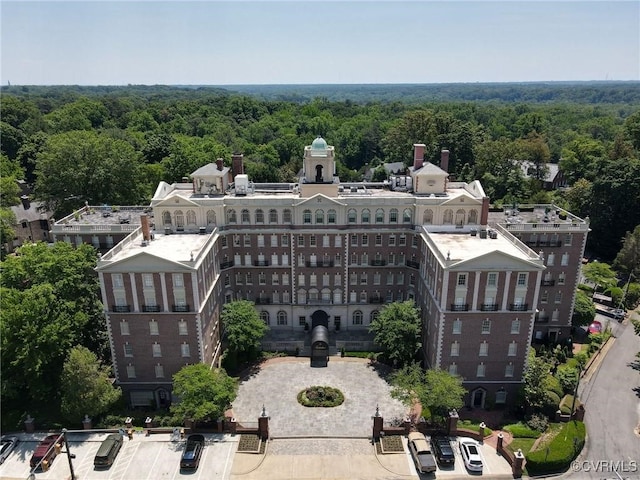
[192,452]
[442,450]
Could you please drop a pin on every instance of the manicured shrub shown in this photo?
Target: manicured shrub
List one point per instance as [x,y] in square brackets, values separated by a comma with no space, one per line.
[553,384]
[520,430]
[568,378]
[538,422]
[318,396]
[560,452]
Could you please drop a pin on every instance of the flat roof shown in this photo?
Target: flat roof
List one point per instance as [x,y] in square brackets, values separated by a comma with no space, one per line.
[176,247]
[525,214]
[464,246]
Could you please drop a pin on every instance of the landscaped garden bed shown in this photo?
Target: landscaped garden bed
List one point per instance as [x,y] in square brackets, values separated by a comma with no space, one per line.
[319,396]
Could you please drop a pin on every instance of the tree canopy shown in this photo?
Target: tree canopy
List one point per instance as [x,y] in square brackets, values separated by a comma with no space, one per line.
[397,330]
[437,390]
[85,386]
[204,393]
[243,329]
[49,304]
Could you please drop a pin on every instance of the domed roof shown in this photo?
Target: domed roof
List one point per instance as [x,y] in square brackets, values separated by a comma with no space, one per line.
[319,144]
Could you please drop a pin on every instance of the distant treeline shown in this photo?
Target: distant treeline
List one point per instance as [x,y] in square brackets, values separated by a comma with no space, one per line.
[614,92]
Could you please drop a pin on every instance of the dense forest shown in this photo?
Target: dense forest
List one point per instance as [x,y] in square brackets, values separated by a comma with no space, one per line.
[112,145]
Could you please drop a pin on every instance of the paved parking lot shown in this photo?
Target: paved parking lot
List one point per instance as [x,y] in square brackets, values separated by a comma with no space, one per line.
[153,457]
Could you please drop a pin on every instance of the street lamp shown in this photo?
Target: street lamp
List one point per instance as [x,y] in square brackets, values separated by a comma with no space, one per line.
[69,454]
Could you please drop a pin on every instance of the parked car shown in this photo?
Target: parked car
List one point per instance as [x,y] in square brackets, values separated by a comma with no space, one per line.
[441,447]
[44,451]
[192,451]
[421,453]
[469,449]
[9,442]
[108,450]
[595,327]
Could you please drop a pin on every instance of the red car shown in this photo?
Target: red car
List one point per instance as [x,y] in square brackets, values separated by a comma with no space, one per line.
[44,451]
[595,327]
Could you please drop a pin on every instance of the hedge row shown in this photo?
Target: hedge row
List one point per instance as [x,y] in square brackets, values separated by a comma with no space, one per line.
[558,455]
[520,430]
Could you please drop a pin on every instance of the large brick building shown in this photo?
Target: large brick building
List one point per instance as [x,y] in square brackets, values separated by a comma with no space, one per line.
[322,252]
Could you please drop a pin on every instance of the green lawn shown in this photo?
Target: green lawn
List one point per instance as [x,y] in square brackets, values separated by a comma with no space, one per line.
[524,444]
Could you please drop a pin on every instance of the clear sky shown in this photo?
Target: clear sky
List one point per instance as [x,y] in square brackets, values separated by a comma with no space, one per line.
[305,42]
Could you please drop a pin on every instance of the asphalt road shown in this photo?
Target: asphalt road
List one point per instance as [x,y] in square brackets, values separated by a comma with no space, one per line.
[612,398]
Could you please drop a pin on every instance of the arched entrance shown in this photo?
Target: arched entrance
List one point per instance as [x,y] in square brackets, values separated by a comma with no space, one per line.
[318,173]
[477,398]
[319,317]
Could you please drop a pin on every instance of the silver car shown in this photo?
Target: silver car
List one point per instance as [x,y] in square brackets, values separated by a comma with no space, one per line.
[9,443]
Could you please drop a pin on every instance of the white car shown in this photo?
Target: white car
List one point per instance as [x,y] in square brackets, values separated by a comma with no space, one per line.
[470,451]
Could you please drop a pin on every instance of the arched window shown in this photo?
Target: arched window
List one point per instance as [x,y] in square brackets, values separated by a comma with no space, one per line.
[286,218]
[460,217]
[179,218]
[331,217]
[166,218]
[427,217]
[319,216]
[306,217]
[374,315]
[245,216]
[302,296]
[282,317]
[393,215]
[191,217]
[211,217]
[357,317]
[366,214]
[473,217]
[379,215]
[264,316]
[273,216]
[406,215]
[231,216]
[448,217]
[352,216]
[259,216]
[337,296]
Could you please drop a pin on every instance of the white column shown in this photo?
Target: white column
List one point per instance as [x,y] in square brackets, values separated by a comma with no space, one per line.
[134,291]
[163,286]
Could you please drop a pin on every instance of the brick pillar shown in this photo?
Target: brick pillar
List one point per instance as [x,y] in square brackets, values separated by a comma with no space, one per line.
[517,464]
[481,431]
[452,423]
[87,424]
[30,424]
[263,427]
[378,427]
[579,413]
[500,441]
[232,426]
[128,422]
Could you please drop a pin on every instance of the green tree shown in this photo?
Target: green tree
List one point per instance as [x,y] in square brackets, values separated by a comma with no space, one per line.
[436,390]
[599,273]
[584,310]
[49,304]
[78,167]
[85,386]
[628,259]
[204,393]
[243,329]
[535,383]
[397,330]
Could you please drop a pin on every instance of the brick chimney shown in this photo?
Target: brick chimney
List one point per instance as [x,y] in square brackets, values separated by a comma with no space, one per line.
[418,155]
[26,204]
[484,214]
[144,223]
[220,164]
[236,164]
[444,160]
